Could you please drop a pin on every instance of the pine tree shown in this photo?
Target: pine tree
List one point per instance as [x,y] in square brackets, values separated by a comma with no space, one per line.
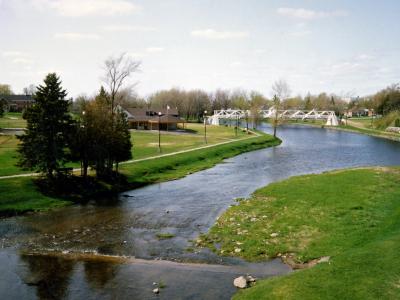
[43,146]
[3,107]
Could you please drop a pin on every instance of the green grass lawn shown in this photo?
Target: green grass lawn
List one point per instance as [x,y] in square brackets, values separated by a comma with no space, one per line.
[353,216]
[12,120]
[19,195]
[8,155]
[365,122]
[145,144]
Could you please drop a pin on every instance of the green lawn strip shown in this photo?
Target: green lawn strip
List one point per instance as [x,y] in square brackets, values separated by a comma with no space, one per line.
[145,143]
[8,156]
[180,165]
[12,120]
[369,131]
[18,195]
[353,216]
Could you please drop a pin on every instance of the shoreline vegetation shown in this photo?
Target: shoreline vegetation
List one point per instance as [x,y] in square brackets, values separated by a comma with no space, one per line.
[20,195]
[344,223]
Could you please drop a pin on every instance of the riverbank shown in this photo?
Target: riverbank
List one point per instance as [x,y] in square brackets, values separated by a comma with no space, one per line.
[353,126]
[349,217]
[20,195]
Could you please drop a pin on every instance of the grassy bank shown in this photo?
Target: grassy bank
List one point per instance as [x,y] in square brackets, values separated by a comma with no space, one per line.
[352,216]
[19,195]
[369,131]
[180,165]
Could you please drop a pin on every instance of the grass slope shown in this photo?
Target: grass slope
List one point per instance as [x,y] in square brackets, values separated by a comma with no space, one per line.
[353,216]
[19,195]
[180,165]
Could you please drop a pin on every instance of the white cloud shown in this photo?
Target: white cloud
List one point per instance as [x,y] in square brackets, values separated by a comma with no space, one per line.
[236,64]
[154,49]
[260,51]
[127,28]
[136,55]
[75,36]
[307,14]
[365,57]
[14,54]
[219,35]
[80,8]
[22,61]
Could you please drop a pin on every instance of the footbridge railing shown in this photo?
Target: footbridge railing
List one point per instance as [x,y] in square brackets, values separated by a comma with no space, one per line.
[289,114]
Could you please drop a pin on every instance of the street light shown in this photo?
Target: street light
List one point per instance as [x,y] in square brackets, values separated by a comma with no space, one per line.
[159,132]
[205,127]
[237,125]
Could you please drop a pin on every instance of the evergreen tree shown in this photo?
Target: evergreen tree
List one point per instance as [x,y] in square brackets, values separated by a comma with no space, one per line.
[3,107]
[43,146]
[122,146]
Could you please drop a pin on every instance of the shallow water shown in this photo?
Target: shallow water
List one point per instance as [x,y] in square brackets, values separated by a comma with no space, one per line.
[185,208]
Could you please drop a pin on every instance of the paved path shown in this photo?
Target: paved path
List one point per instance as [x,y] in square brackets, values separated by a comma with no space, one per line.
[147,158]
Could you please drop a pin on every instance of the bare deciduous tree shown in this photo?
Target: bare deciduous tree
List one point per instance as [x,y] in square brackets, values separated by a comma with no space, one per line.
[29,90]
[117,71]
[281,91]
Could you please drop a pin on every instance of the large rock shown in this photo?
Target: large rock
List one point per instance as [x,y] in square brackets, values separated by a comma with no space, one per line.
[240,282]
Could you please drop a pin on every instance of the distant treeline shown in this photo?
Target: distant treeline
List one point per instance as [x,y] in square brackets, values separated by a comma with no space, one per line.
[192,104]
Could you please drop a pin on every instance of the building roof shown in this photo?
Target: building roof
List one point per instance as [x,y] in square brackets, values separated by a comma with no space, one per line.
[150,111]
[167,119]
[17,97]
[151,115]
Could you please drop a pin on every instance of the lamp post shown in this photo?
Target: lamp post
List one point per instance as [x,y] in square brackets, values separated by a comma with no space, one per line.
[167,117]
[159,132]
[237,125]
[83,132]
[205,126]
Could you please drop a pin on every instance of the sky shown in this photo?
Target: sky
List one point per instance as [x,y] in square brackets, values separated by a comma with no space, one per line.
[334,46]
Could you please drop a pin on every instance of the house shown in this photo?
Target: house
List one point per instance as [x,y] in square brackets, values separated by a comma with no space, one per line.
[359,112]
[17,103]
[149,119]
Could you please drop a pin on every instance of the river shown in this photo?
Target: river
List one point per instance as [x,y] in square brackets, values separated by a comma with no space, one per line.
[111,251]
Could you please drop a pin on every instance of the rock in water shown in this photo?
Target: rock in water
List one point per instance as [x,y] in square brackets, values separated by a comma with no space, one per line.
[156,291]
[240,282]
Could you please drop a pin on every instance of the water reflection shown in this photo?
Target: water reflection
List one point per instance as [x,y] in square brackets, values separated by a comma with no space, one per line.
[50,275]
[99,273]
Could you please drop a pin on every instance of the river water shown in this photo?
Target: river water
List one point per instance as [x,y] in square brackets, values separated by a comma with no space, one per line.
[112,251]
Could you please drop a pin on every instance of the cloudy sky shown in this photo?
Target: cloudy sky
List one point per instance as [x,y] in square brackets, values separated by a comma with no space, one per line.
[332,45]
